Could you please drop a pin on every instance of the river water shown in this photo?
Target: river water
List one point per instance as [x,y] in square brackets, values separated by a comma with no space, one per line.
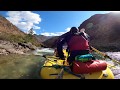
[15,66]
[28,66]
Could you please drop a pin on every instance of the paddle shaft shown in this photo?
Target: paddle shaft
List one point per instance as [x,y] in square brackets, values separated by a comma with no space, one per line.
[60,75]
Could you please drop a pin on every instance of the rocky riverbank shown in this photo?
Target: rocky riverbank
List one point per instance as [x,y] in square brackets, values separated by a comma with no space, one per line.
[7,47]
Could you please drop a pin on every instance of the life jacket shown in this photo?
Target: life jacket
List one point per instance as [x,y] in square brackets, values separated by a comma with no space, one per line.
[78,42]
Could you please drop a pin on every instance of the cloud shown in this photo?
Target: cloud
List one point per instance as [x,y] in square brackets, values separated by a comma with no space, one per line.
[52,34]
[34,32]
[56,33]
[67,29]
[24,20]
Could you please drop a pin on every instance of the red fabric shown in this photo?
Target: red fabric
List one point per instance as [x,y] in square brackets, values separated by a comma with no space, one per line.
[88,67]
[78,43]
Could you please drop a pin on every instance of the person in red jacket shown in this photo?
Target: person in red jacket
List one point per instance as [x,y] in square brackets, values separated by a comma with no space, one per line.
[78,44]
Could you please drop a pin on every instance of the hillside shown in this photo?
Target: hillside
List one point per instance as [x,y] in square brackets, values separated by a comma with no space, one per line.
[7,27]
[42,38]
[104,30]
[51,42]
[13,40]
[10,32]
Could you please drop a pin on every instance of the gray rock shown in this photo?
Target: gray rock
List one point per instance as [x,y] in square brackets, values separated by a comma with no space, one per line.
[7,47]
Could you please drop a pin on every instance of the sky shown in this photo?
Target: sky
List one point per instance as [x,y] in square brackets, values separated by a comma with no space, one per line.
[48,23]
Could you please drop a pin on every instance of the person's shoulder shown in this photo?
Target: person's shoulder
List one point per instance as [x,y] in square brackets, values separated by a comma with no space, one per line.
[65,34]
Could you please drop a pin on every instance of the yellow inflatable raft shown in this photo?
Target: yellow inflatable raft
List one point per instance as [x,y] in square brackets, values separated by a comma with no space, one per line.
[54,68]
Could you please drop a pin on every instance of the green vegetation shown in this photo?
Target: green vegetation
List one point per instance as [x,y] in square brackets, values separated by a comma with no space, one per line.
[19,39]
[32,39]
[31,31]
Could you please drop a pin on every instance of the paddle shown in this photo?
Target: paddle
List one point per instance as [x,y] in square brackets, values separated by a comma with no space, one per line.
[105,55]
[60,75]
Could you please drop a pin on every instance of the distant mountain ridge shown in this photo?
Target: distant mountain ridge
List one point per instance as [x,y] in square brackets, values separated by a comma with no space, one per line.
[51,42]
[42,38]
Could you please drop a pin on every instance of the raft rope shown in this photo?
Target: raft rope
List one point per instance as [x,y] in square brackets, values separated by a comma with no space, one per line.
[106,56]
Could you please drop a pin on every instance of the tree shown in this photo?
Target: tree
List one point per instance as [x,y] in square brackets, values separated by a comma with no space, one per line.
[31,31]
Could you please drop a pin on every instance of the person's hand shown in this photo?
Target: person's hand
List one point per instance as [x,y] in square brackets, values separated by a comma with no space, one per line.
[90,51]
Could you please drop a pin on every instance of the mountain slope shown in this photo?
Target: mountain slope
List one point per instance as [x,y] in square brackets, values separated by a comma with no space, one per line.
[10,32]
[7,27]
[42,38]
[51,42]
[104,30]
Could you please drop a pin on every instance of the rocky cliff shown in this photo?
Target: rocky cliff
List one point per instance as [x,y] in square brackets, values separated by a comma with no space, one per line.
[104,30]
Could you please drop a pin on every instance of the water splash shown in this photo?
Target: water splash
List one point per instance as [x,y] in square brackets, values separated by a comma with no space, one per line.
[114,55]
[43,51]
